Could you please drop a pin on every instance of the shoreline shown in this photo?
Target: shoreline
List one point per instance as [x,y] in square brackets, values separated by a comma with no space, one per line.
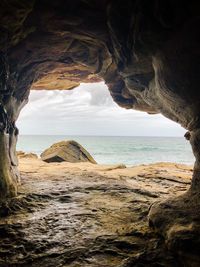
[113,150]
[115,170]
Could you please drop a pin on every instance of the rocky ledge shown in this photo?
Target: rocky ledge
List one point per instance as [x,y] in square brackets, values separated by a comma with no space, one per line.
[83,214]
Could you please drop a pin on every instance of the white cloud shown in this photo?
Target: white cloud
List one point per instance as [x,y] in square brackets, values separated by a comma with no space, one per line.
[88,110]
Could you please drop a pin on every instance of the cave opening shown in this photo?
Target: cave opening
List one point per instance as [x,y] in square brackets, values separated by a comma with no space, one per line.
[88,115]
[147,52]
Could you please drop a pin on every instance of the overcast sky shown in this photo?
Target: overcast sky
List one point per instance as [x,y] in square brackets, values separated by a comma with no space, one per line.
[88,110]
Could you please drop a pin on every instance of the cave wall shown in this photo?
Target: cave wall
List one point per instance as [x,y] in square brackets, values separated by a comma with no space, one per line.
[147,52]
[134,46]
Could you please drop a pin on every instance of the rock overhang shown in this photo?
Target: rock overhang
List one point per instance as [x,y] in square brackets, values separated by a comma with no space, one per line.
[147,52]
[57,45]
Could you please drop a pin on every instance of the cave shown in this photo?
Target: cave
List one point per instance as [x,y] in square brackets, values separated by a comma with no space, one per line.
[148,54]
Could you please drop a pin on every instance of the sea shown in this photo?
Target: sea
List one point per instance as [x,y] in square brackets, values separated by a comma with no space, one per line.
[129,150]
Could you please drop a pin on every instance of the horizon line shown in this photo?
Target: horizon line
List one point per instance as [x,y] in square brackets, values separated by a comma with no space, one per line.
[90,135]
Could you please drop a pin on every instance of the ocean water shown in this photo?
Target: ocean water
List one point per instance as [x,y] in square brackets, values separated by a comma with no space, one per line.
[118,149]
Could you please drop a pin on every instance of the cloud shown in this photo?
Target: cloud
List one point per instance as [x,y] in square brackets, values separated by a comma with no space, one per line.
[88,110]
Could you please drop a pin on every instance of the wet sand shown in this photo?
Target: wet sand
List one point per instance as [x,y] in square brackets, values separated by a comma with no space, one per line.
[83,214]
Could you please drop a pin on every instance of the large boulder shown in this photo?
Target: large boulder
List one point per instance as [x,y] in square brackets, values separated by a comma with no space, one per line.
[69,151]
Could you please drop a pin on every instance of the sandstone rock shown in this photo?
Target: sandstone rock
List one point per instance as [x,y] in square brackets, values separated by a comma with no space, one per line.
[69,151]
[22,154]
[77,210]
[147,52]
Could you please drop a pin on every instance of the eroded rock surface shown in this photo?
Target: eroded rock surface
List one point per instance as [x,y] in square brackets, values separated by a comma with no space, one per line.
[69,151]
[80,215]
[147,52]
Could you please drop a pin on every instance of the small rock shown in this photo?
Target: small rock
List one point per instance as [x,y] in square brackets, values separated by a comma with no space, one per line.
[115,167]
[22,154]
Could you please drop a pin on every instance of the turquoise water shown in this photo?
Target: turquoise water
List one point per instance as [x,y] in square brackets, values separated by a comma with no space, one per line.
[120,149]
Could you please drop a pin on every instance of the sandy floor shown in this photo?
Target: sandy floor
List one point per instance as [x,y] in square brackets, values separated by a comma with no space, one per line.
[83,214]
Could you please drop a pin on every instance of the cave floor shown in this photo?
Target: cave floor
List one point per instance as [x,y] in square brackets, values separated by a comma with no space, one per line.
[78,215]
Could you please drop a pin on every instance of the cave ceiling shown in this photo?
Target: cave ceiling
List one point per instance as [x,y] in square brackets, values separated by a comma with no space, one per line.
[145,51]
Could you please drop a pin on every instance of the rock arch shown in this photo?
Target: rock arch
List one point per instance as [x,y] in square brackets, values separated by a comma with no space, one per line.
[146,51]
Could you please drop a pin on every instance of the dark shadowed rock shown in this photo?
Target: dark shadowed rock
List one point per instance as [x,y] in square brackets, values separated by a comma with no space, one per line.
[148,54]
[69,151]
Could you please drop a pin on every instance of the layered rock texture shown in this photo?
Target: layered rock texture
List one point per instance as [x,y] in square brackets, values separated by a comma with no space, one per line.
[147,52]
[69,151]
[89,215]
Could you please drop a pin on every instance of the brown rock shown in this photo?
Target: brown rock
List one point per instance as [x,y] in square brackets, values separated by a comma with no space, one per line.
[147,52]
[22,154]
[69,151]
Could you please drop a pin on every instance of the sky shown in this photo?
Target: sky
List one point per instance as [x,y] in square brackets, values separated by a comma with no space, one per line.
[88,110]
